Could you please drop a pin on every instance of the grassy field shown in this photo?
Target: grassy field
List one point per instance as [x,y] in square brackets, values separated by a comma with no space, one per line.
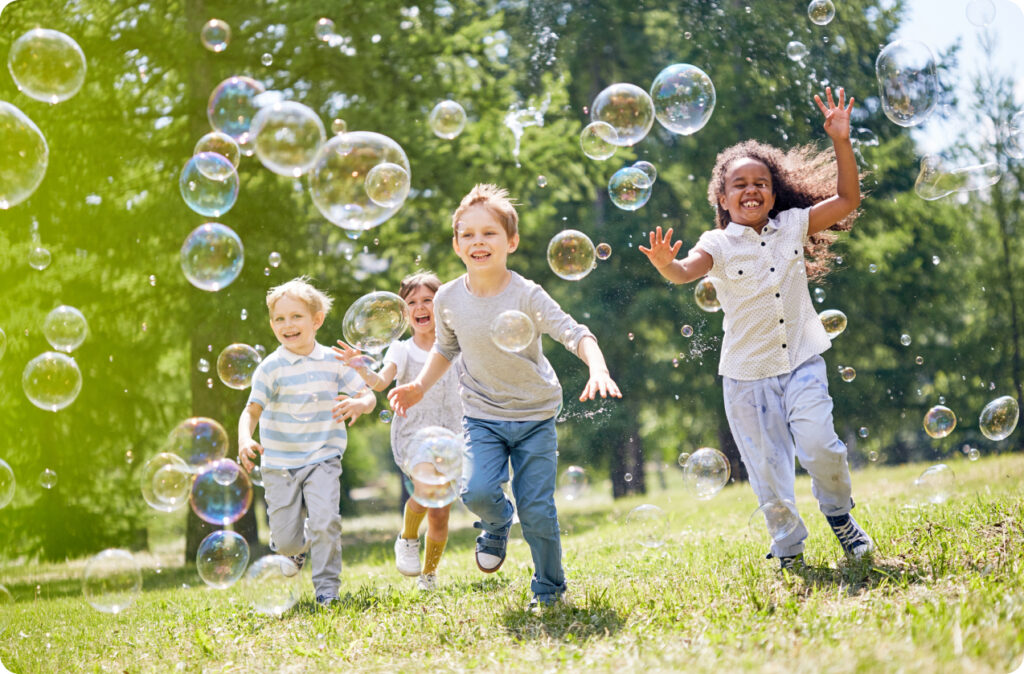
[944,593]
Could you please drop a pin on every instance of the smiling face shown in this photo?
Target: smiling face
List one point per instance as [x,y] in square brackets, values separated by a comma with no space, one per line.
[748,195]
[481,242]
[295,325]
[421,310]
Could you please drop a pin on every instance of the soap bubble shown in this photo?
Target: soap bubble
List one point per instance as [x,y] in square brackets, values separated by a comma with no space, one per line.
[216,502]
[684,98]
[907,83]
[212,256]
[7,484]
[222,144]
[706,472]
[198,440]
[571,254]
[919,360]
[974,454]
[834,322]
[981,13]
[999,418]
[598,140]
[209,184]
[339,126]
[819,295]
[324,30]
[48,478]
[267,59]
[273,585]
[51,381]
[65,328]
[821,12]
[796,50]
[863,432]
[905,340]
[39,258]
[628,109]
[935,180]
[629,188]
[706,296]
[47,65]
[221,558]
[572,484]
[274,259]
[287,137]
[337,180]
[426,493]
[256,475]
[375,320]
[165,481]
[848,374]
[778,516]
[603,251]
[939,421]
[387,185]
[439,447]
[447,119]
[542,181]
[686,331]
[512,331]
[235,365]
[648,168]
[203,365]
[112,580]
[24,155]
[232,106]
[647,525]
[215,35]
[935,485]
[872,268]
[386,416]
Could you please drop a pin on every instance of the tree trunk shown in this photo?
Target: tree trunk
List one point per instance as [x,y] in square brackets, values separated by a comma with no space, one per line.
[628,466]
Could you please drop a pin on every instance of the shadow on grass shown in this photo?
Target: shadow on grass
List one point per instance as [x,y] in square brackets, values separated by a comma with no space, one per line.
[862,575]
[564,621]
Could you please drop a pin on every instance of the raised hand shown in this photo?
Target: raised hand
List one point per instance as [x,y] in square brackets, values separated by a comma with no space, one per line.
[837,117]
[347,354]
[404,397]
[662,250]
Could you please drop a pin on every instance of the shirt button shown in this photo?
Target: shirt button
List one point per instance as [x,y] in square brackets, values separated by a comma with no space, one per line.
[741,271]
[772,269]
[776,294]
[782,320]
[783,346]
[762,243]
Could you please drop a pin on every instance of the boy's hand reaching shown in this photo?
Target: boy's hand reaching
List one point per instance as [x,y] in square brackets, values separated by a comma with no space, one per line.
[600,382]
[404,397]
[837,117]
[247,451]
[351,408]
[662,251]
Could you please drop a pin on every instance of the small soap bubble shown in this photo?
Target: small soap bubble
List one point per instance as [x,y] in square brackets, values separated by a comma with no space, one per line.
[628,109]
[209,184]
[65,328]
[648,525]
[215,35]
[339,126]
[572,484]
[848,374]
[973,454]
[981,13]
[935,260]
[779,517]
[47,66]
[935,485]
[905,339]
[236,364]
[374,321]
[203,365]
[872,456]
[267,59]
[629,188]
[48,479]
[705,295]
[324,30]
[705,473]
[603,251]
[447,119]
[919,360]
[939,421]
[821,12]
[112,581]
[274,259]
[863,431]
[512,331]
[630,336]
[796,50]
[686,331]
[152,280]
[598,140]
[683,97]
[819,295]
[834,322]
[872,268]
[212,256]
[51,381]
[387,185]
[198,441]
[571,255]
[907,81]
[39,258]
[682,459]
[999,418]
[542,181]
[386,416]
[243,314]
[221,558]
[209,383]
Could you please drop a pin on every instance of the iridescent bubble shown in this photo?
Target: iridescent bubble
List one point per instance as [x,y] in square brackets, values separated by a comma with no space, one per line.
[981,13]
[598,140]
[427,493]
[267,59]
[628,109]
[199,441]
[231,108]
[47,65]
[686,331]
[935,180]
[819,295]
[834,322]
[935,485]
[796,50]
[165,482]
[779,517]
[603,251]
[222,144]
[572,484]
[387,185]
[919,360]
[339,126]
[51,381]
[848,374]
[939,421]
[821,12]
[863,432]
[706,472]
[337,181]
[39,258]
[216,502]
[7,484]
[112,581]
[287,137]
[571,254]
[447,119]
[236,364]
[629,188]
[872,268]
[273,585]
[542,181]
[649,169]
[375,320]
[684,98]
[439,447]
[386,416]
[999,418]
[221,558]
[907,83]
[48,478]
[512,331]
[24,155]
[324,30]
[215,35]
[274,259]
[706,296]
[905,340]
[209,184]
[212,256]
[682,459]
[256,475]
[65,328]
[647,525]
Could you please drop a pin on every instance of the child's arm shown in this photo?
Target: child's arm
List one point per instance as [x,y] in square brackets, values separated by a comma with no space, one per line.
[600,380]
[826,213]
[662,255]
[247,447]
[404,397]
[352,408]
[378,381]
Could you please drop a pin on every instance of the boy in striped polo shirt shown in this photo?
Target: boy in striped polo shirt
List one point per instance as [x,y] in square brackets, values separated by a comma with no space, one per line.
[292,400]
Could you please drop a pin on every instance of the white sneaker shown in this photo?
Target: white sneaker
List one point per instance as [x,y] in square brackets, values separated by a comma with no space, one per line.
[407,556]
[427,582]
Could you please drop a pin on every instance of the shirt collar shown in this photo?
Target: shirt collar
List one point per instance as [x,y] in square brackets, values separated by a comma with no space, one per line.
[734,229]
[319,352]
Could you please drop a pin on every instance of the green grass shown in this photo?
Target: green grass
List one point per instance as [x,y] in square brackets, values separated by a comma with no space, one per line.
[945,592]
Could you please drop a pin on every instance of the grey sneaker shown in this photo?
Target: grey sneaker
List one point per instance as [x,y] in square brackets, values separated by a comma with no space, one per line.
[427,582]
[294,564]
[407,556]
[855,541]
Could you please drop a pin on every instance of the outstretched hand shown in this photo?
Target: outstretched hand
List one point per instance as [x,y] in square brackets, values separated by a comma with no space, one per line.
[837,117]
[662,251]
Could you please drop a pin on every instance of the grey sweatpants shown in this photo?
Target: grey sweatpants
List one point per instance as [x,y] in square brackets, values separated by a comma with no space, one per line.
[302,504]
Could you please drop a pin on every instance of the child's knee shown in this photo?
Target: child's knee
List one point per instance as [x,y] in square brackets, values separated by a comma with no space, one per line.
[289,544]
[324,525]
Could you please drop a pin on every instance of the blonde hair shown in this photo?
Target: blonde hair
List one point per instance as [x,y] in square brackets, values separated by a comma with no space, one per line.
[425,279]
[496,200]
[301,289]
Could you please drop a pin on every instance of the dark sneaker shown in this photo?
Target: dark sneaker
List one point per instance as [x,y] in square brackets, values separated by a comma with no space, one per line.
[790,563]
[325,600]
[294,564]
[490,550]
[855,541]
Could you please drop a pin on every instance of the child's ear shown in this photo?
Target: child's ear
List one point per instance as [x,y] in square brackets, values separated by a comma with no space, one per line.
[318,319]
[513,242]
[721,203]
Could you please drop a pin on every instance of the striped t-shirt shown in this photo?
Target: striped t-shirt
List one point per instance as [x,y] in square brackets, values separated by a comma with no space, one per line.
[297,393]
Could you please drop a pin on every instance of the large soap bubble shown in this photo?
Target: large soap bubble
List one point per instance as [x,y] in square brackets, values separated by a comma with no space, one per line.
[907,83]
[51,381]
[440,447]
[821,12]
[65,328]
[219,143]
[221,558]
[598,140]
[647,525]
[999,418]
[935,180]
[212,256]
[512,331]
[705,295]
[112,580]
[273,585]
[571,254]
[375,320]
[7,483]
[387,185]
[684,98]
[935,485]
[338,178]
[834,322]
[287,137]
[47,65]
[628,108]
[939,421]
[24,156]
[232,106]
[779,517]
[706,472]
[209,184]
[572,484]
[629,188]
[422,488]
[649,170]
[981,13]
[447,119]
[215,35]
[198,440]
[236,364]
[221,492]
[166,481]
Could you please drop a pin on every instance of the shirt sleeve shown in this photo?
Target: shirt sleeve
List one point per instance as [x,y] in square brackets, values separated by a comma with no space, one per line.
[552,321]
[796,221]
[397,353]
[349,381]
[709,243]
[446,342]
[262,389]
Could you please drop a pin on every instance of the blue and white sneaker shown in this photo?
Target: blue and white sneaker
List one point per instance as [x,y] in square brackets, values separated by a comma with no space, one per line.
[790,563]
[855,541]
[490,550]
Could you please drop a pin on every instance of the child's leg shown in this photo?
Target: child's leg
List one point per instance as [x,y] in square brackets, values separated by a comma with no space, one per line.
[414,514]
[284,510]
[437,537]
[484,471]
[322,491]
[535,462]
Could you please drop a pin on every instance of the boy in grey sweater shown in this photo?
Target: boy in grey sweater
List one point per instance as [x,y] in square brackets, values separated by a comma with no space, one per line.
[509,398]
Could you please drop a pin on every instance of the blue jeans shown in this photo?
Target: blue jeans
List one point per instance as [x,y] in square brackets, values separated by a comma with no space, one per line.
[532,448]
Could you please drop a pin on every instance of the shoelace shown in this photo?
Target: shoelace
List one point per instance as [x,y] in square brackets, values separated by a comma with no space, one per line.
[848,534]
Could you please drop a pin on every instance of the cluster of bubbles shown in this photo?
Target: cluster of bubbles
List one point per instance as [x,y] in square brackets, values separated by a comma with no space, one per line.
[447,119]
[573,483]
[935,180]
[705,295]
[648,525]
[512,331]
[434,465]
[236,364]
[221,558]
[779,517]
[375,320]
[212,256]
[834,322]
[705,472]
[571,255]
[907,81]
[112,580]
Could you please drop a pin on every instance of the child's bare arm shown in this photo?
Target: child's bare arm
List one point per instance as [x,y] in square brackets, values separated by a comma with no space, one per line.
[247,447]
[826,213]
[378,381]
[662,255]
[600,381]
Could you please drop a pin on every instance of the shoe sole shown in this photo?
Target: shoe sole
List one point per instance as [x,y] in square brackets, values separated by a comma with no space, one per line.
[485,570]
[414,574]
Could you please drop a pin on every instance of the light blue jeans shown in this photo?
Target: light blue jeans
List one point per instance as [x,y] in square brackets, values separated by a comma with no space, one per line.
[772,419]
[531,446]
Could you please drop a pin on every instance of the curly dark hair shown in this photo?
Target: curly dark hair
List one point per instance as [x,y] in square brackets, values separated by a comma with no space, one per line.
[801,177]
